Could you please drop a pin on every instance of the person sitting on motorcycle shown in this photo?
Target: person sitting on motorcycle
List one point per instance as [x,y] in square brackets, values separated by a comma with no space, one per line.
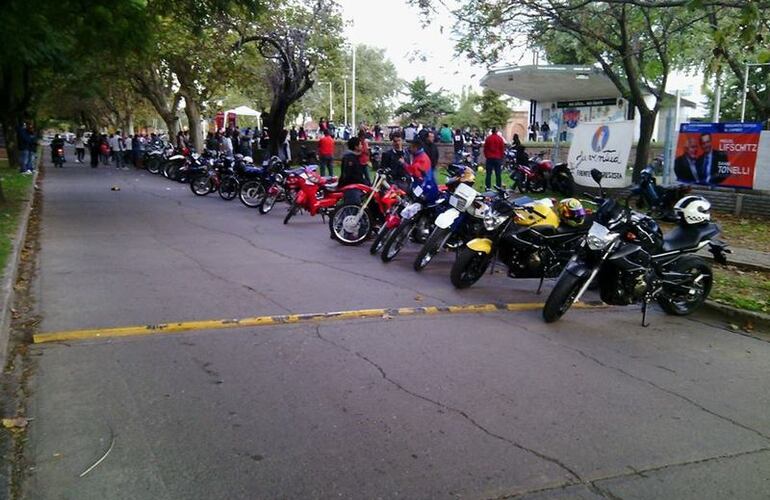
[391,160]
[56,144]
[352,171]
[420,166]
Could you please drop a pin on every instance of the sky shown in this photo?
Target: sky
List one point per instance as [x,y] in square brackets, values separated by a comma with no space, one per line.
[395,26]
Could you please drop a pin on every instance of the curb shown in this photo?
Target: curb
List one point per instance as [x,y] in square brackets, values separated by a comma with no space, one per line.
[760,321]
[11,271]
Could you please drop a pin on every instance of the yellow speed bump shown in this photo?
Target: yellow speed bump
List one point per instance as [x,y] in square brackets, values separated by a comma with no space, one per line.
[221,324]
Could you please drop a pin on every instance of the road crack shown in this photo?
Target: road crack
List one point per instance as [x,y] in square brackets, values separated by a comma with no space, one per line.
[457,411]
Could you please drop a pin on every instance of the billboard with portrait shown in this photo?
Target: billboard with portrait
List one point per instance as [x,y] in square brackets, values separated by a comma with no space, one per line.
[717,154]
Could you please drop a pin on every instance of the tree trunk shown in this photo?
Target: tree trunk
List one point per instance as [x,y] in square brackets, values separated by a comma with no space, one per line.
[646,128]
[9,132]
[192,110]
[172,125]
[275,123]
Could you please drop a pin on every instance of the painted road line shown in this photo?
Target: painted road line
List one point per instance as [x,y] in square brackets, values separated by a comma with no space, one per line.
[286,319]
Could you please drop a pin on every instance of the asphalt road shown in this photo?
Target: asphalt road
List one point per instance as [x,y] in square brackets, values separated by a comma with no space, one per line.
[472,406]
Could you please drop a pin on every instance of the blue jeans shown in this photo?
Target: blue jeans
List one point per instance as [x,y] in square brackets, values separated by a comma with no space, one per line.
[31,161]
[23,159]
[496,165]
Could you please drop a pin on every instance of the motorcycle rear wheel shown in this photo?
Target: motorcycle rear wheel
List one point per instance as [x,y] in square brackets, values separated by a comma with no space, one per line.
[677,305]
[562,296]
[342,226]
[396,241]
[468,267]
[252,194]
[431,248]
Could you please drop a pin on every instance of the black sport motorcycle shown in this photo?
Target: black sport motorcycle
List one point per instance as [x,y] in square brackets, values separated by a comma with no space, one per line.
[633,262]
[527,248]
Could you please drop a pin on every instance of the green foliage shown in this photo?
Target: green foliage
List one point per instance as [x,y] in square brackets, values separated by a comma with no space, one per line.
[377,85]
[424,105]
[468,111]
[495,111]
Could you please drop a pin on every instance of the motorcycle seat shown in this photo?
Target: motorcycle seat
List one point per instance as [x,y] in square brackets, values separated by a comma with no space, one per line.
[682,237]
[252,170]
[295,171]
[331,183]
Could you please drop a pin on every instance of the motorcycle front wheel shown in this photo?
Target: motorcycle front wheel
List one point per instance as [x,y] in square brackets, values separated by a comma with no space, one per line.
[293,209]
[396,240]
[228,189]
[201,185]
[252,194]
[469,267]
[562,296]
[379,240]
[431,248]
[346,229]
[677,301]
[153,166]
[518,182]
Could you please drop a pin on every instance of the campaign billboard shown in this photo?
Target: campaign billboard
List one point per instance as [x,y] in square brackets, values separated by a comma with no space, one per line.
[717,154]
[604,146]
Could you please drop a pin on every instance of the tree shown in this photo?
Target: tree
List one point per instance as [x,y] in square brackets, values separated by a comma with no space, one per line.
[377,85]
[294,40]
[495,111]
[42,40]
[635,42]
[424,105]
[467,113]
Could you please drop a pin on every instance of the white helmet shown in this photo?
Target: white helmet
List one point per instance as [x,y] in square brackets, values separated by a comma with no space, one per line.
[693,210]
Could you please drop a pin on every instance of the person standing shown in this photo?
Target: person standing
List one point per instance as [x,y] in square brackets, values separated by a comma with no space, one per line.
[363,158]
[80,147]
[494,152]
[32,141]
[301,134]
[22,139]
[429,145]
[396,160]
[534,128]
[546,131]
[94,149]
[445,134]
[326,153]
[227,144]
[293,134]
[459,145]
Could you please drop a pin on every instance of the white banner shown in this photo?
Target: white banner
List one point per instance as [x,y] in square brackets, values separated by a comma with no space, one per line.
[604,146]
[762,167]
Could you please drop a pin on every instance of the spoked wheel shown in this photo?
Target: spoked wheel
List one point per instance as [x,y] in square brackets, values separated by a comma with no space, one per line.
[436,241]
[252,193]
[562,296]
[423,226]
[518,182]
[201,185]
[469,267]
[379,240]
[153,166]
[269,202]
[685,298]
[350,225]
[228,189]
[396,240]
[293,209]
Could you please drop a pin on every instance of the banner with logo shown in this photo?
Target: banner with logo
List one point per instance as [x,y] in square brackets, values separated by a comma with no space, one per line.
[604,146]
[717,154]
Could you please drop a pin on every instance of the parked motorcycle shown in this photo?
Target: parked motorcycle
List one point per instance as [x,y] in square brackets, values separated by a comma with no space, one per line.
[634,262]
[657,200]
[535,174]
[311,192]
[534,240]
[351,223]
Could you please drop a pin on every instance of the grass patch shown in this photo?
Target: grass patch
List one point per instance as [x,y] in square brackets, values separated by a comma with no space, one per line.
[748,290]
[16,188]
[745,232]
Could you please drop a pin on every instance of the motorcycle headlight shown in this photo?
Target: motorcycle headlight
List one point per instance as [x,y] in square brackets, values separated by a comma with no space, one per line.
[599,237]
[492,222]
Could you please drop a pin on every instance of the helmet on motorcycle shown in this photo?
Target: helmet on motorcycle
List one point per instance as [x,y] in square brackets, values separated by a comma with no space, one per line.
[693,210]
[467,176]
[571,211]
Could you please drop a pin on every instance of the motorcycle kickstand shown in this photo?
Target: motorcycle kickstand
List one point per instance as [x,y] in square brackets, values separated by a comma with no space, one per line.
[540,286]
[645,304]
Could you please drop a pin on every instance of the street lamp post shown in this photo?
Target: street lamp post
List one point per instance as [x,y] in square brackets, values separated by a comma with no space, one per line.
[746,86]
[345,98]
[353,100]
[331,109]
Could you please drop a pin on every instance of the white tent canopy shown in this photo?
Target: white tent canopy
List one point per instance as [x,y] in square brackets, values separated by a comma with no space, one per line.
[245,111]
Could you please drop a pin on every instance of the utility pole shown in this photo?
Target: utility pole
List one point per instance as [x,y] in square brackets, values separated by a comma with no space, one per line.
[345,97]
[353,100]
[746,87]
[331,109]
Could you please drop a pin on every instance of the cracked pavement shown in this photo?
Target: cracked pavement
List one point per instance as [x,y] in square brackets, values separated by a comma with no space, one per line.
[495,405]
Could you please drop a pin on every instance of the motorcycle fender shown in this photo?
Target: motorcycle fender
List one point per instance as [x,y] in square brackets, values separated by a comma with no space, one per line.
[577,268]
[483,245]
[300,199]
[446,219]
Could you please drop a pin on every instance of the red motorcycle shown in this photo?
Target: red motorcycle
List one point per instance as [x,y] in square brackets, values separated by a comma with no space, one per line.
[536,174]
[309,191]
[351,223]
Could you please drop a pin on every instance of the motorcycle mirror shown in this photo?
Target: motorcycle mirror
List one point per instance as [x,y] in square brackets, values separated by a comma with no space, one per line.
[596,175]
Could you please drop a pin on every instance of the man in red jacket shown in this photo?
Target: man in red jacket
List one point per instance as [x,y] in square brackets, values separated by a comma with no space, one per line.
[326,152]
[494,152]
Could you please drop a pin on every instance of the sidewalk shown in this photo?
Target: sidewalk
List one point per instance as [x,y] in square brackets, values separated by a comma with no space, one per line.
[743,257]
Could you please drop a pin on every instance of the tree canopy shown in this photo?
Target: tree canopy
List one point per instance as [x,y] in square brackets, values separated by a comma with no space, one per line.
[424,105]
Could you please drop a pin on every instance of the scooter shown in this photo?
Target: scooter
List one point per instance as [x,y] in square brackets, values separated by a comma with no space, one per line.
[658,200]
